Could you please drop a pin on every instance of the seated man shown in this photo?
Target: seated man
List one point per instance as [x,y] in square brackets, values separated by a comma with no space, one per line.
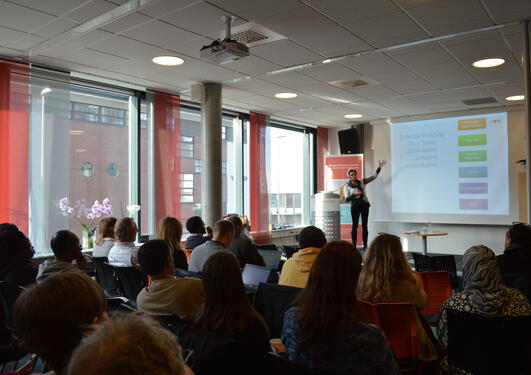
[129,344]
[196,228]
[123,253]
[66,248]
[515,262]
[243,247]
[52,317]
[296,270]
[166,294]
[223,232]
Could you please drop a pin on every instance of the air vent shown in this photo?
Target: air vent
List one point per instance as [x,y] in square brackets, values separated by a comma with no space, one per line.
[252,34]
[478,101]
[354,83]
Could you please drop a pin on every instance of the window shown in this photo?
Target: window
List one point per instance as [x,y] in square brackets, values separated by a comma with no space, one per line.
[187,146]
[197,165]
[187,187]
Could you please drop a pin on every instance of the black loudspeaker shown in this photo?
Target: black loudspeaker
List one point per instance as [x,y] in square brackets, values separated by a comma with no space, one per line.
[351,140]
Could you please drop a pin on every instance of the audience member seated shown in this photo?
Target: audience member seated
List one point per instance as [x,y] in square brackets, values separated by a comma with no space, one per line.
[321,332]
[105,238]
[196,228]
[387,277]
[66,248]
[52,317]
[171,230]
[483,292]
[228,312]
[243,247]
[223,233]
[16,267]
[297,268]
[515,262]
[166,294]
[123,253]
[129,344]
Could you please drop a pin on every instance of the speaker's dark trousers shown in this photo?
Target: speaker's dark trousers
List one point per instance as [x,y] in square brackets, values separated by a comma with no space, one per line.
[355,212]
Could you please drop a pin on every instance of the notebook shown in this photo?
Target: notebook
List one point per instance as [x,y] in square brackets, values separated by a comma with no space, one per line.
[271,258]
[253,275]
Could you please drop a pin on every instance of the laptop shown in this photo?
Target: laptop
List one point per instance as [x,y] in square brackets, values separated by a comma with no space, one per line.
[253,275]
[271,258]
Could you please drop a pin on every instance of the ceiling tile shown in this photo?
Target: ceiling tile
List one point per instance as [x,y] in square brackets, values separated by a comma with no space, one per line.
[387,30]
[90,37]
[56,7]
[200,18]
[27,42]
[129,21]
[54,28]
[332,42]
[126,47]
[411,86]
[286,53]
[93,58]
[449,16]
[162,35]
[258,86]
[60,50]
[253,65]
[200,71]
[350,11]
[255,9]
[511,89]
[8,36]
[374,91]
[21,18]
[232,93]
[331,72]
[275,105]
[91,10]
[332,94]
[162,7]
[141,68]
[292,80]
[508,10]
[404,105]
[473,93]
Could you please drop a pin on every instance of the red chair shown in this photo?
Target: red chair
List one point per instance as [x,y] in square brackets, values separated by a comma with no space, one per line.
[367,312]
[398,323]
[188,253]
[438,288]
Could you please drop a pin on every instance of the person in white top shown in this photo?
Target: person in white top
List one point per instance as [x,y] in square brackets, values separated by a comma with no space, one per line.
[105,238]
[123,253]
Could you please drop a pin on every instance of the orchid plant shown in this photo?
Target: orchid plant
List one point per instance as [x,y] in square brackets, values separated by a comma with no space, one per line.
[80,210]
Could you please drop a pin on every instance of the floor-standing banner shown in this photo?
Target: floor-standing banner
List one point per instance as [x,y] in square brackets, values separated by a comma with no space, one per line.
[336,177]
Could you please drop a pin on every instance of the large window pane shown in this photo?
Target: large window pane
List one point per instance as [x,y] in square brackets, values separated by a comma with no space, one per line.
[78,153]
[285,176]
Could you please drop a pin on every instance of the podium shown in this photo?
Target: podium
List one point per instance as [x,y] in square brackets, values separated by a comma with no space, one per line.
[325,214]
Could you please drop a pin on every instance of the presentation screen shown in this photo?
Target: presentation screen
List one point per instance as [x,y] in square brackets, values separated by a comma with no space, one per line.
[456,166]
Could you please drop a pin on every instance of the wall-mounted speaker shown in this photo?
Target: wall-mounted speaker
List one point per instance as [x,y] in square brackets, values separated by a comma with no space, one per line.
[351,140]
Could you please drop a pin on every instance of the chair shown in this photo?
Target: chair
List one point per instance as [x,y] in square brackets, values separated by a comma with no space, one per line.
[367,312]
[289,250]
[489,345]
[426,263]
[130,281]
[438,288]
[169,321]
[266,247]
[105,276]
[118,304]
[272,301]
[398,323]
[188,254]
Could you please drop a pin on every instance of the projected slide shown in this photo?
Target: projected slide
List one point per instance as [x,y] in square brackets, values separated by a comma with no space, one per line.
[455,165]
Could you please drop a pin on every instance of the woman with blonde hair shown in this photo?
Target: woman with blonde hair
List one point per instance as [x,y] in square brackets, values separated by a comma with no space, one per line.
[386,277]
[171,230]
[105,237]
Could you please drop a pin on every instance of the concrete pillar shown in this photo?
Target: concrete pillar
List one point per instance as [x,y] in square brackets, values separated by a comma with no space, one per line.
[211,181]
[527,106]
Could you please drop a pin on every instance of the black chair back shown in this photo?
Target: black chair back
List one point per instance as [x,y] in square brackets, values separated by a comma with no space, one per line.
[118,304]
[272,301]
[105,276]
[289,250]
[169,321]
[130,281]
[489,345]
[269,246]
[426,263]
[522,282]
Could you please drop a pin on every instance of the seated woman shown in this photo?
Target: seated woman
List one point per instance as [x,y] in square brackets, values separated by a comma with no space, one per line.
[386,277]
[123,253]
[483,292]
[16,267]
[171,230]
[52,317]
[321,332]
[105,238]
[227,311]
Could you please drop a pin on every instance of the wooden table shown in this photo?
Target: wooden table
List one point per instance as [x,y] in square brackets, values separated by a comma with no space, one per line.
[425,236]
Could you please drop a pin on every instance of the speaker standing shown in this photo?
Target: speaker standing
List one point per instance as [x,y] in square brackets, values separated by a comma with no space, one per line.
[359,204]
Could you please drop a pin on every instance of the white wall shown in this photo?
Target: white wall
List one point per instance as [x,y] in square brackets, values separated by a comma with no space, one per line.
[460,237]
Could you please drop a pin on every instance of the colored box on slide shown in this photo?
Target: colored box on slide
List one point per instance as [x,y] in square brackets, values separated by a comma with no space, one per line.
[473,204]
[472,172]
[473,139]
[480,155]
[473,188]
[472,123]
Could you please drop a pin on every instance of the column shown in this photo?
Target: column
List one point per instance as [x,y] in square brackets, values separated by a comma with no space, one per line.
[211,182]
[527,106]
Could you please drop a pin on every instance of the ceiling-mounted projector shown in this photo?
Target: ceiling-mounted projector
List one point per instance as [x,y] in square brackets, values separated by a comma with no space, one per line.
[226,50]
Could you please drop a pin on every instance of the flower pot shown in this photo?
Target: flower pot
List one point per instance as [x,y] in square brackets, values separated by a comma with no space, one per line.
[88,241]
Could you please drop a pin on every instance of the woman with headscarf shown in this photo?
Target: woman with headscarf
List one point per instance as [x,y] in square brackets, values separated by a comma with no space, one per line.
[483,292]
